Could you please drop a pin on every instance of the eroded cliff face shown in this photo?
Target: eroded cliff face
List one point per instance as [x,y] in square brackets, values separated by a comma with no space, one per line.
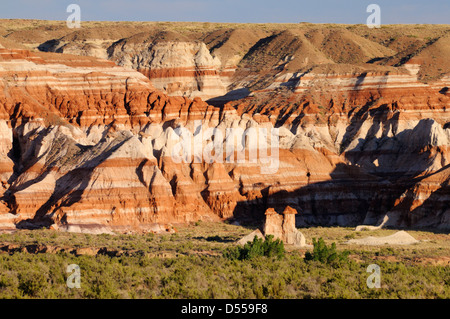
[392,136]
[89,144]
[223,62]
[179,68]
[175,64]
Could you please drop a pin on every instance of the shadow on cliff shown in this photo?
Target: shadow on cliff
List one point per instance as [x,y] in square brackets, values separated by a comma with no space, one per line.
[434,212]
[401,156]
[21,165]
[233,95]
[68,189]
[381,169]
[343,200]
[49,46]
[15,155]
[347,200]
[360,116]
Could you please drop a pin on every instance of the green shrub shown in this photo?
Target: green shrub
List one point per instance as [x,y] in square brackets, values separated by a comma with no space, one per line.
[324,254]
[31,283]
[257,247]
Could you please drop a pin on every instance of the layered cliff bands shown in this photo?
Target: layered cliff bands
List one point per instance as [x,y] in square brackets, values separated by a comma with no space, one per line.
[90,144]
[223,62]
[76,145]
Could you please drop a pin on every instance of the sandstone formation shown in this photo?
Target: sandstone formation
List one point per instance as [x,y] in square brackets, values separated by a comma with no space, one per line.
[280,226]
[77,160]
[283,226]
[90,144]
[258,233]
[228,61]
[178,67]
[398,238]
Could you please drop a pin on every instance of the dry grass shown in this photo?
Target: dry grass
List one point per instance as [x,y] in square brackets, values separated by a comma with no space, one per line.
[215,237]
[260,48]
[190,265]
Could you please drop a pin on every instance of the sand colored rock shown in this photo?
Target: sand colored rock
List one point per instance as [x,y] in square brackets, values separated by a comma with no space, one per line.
[280,226]
[250,237]
[291,235]
[398,238]
[93,176]
[178,68]
[273,224]
[238,55]
[7,220]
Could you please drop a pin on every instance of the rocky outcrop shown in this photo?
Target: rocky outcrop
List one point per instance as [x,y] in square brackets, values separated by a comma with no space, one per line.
[398,238]
[227,62]
[280,226]
[76,159]
[258,233]
[178,68]
[283,226]
[87,144]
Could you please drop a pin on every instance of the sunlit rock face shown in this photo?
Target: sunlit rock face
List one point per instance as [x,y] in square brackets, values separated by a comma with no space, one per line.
[88,143]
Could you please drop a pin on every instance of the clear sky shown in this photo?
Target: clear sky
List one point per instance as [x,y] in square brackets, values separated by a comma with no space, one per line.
[253,11]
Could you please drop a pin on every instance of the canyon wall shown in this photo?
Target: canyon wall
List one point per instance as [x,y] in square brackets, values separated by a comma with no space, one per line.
[98,145]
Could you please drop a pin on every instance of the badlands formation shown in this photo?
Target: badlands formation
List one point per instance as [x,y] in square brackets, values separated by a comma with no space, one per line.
[90,118]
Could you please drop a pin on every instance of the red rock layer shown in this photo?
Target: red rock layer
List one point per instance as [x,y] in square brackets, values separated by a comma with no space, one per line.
[109,182]
[180,68]
[389,129]
[94,141]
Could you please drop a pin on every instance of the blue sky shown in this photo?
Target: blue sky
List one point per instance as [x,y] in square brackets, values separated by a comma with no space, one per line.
[253,11]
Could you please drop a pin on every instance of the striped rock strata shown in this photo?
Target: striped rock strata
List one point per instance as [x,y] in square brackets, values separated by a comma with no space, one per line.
[228,61]
[74,147]
[388,136]
[178,68]
[87,143]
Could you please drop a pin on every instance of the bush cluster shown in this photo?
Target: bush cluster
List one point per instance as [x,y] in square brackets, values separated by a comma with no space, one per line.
[258,247]
[324,254]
